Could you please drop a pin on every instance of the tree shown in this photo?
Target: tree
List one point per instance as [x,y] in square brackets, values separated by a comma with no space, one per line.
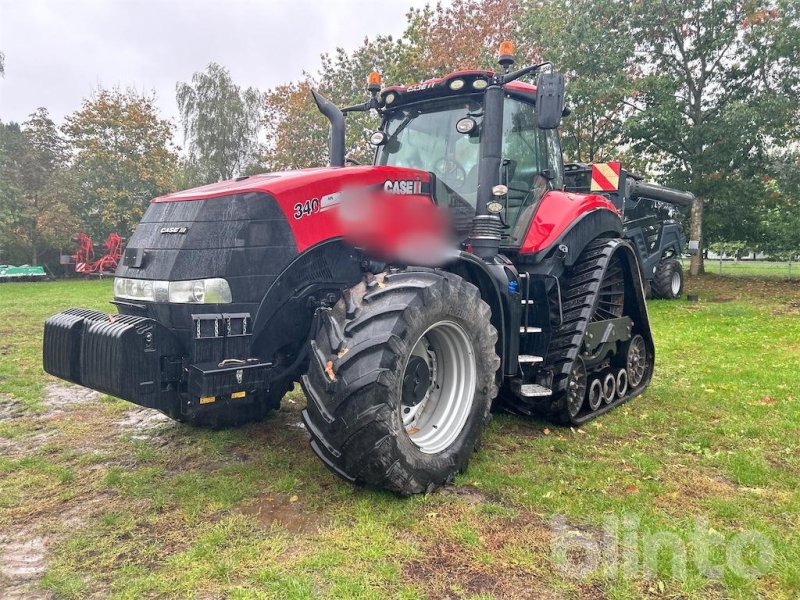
[123,158]
[589,41]
[719,88]
[36,192]
[2,64]
[436,41]
[221,123]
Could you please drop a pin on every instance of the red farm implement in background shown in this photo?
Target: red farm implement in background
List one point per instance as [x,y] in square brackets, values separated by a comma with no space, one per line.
[84,257]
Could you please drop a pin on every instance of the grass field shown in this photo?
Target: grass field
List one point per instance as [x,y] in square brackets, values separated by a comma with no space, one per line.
[101,499]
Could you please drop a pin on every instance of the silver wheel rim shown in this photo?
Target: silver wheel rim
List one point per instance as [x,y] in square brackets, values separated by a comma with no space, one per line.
[437,420]
[576,388]
[595,394]
[637,361]
[609,388]
[622,383]
[676,283]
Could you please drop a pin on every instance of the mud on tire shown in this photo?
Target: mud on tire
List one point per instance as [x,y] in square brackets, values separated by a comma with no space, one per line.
[354,385]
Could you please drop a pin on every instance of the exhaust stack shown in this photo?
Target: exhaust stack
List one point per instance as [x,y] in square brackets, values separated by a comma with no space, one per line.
[336,117]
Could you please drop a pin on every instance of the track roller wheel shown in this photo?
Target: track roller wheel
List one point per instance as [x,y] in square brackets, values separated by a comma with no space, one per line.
[595,394]
[622,383]
[609,388]
[576,387]
[636,361]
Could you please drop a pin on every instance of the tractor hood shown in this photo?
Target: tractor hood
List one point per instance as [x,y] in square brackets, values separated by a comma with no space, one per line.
[304,196]
[249,229]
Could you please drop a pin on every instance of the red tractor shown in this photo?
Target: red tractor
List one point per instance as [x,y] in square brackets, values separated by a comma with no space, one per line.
[333,277]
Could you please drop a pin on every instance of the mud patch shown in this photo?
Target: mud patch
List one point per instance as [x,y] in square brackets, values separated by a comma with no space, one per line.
[10,408]
[22,564]
[280,510]
[146,424]
[450,569]
[466,493]
[57,397]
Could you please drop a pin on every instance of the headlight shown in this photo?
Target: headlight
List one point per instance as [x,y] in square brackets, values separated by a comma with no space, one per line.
[197,291]
[456,84]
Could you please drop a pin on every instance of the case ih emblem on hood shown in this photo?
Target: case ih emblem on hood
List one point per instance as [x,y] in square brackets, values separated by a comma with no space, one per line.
[408,187]
[181,230]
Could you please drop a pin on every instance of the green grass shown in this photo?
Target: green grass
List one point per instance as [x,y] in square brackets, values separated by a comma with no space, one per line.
[711,449]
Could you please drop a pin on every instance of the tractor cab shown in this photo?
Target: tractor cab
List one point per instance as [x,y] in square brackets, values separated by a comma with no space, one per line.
[443,134]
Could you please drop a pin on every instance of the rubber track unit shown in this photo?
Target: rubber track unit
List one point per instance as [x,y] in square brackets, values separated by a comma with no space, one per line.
[579,293]
[661,287]
[353,384]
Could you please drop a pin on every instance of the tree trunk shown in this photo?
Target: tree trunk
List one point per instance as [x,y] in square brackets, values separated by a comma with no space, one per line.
[696,233]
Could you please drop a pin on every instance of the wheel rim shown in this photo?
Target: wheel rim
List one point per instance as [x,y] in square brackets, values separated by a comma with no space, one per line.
[576,387]
[676,283]
[609,388]
[637,361]
[434,416]
[595,394]
[622,383]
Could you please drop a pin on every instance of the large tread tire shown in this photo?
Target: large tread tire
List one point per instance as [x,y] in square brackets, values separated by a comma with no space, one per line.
[354,420]
[235,414]
[662,284]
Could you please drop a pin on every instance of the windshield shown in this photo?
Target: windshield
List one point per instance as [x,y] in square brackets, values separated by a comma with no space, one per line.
[429,141]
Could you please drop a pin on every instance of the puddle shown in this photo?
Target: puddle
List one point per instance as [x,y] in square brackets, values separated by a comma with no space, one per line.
[22,564]
[278,509]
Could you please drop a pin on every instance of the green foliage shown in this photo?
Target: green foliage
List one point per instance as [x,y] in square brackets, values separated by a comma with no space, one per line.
[36,191]
[220,121]
[717,93]
[590,42]
[123,158]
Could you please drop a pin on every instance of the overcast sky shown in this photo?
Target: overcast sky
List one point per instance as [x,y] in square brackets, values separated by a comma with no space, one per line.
[59,51]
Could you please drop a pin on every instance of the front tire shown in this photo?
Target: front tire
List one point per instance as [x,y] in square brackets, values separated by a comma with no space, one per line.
[401,380]
[668,280]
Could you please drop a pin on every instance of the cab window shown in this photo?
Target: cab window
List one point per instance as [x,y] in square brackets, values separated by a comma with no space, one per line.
[524,158]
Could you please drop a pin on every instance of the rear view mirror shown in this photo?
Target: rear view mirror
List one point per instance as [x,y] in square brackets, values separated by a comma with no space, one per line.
[549,100]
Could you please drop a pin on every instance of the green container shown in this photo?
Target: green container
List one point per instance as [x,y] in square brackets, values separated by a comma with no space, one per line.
[22,273]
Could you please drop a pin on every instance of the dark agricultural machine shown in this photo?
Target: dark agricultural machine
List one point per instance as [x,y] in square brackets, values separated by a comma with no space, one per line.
[404,296]
[651,220]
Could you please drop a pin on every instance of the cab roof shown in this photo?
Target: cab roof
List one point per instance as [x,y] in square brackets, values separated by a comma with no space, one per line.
[475,81]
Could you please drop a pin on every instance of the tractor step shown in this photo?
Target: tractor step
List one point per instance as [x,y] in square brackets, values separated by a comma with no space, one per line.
[534,390]
[530,359]
[524,329]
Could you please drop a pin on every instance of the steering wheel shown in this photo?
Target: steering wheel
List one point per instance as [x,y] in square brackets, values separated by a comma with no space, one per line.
[451,171]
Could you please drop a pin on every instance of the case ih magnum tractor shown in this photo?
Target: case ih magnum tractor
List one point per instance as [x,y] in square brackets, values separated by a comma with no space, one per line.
[229,293]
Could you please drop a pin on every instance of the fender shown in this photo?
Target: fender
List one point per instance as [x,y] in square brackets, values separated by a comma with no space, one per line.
[285,314]
[594,223]
[558,211]
[492,280]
